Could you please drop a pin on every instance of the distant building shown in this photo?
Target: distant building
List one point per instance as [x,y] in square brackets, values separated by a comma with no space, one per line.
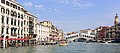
[54,32]
[114,31]
[42,32]
[88,33]
[101,32]
[53,29]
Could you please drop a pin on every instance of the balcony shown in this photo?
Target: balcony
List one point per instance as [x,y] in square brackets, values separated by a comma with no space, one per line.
[14,35]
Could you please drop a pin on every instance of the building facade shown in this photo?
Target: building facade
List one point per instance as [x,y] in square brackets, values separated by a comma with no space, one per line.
[101,32]
[114,31]
[52,30]
[88,33]
[15,20]
[42,32]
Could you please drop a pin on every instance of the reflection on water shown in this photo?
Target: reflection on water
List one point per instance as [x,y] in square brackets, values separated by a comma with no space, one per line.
[72,48]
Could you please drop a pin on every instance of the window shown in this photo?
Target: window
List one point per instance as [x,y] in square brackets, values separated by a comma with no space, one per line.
[14,6]
[18,32]
[7,20]
[2,30]
[18,15]
[12,13]
[18,8]
[11,21]
[2,19]
[7,3]
[15,14]
[24,22]
[11,31]
[11,5]
[27,22]
[7,11]
[2,10]
[119,28]
[119,24]
[18,22]
[21,32]
[15,22]
[7,29]
[24,29]
[21,23]
[3,1]
[115,28]
[27,29]
[22,16]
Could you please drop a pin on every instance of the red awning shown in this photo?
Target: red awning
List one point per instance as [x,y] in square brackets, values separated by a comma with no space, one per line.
[2,38]
[17,39]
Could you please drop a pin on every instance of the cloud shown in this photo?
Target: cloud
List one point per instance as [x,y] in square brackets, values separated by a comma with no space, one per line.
[46,9]
[62,1]
[53,10]
[29,3]
[40,6]
[75,3]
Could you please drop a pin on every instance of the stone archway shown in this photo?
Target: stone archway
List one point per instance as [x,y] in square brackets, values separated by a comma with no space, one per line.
[80,40]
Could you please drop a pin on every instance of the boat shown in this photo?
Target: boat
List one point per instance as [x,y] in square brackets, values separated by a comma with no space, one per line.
[107,42]
[63,42]
[117,40]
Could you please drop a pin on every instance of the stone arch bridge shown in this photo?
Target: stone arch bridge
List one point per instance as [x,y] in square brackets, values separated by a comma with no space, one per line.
[75,36]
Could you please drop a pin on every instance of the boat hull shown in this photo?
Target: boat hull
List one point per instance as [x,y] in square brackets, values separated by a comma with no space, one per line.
[63,44]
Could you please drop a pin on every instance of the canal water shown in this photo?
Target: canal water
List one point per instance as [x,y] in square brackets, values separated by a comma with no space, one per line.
[78,47]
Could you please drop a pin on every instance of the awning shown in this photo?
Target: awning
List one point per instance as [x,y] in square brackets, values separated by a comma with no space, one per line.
[2,39]
[14,39]
[17,39]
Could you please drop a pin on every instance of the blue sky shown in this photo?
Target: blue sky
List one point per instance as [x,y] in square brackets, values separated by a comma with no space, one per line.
[74,15]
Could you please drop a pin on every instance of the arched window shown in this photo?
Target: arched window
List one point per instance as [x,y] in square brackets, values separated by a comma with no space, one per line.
[3,19]
[12,13]
[18,15]
[3,1]
[15,14]
[2,30]
[7,30]
[7,11]
[7,3]
[15,22]
[11,21]
[22,16]
[7,20]
[2,10]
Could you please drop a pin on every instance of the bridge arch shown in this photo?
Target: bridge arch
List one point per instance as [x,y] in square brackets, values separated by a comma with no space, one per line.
[80,40]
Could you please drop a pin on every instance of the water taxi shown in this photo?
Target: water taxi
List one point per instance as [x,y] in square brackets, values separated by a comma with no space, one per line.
[63,42]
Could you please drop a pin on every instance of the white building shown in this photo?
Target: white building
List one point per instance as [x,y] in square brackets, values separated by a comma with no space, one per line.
[42,32]
[15,20]
[88,33]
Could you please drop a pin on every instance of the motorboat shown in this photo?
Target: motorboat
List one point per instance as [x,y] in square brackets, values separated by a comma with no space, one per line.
[63,42]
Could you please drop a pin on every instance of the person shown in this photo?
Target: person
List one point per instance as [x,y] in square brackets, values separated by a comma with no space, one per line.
[16,45]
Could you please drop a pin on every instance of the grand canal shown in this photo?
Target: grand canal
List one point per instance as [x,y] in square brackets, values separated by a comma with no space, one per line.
[72,48]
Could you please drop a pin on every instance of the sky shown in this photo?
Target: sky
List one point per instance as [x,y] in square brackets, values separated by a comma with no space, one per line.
[74,15]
